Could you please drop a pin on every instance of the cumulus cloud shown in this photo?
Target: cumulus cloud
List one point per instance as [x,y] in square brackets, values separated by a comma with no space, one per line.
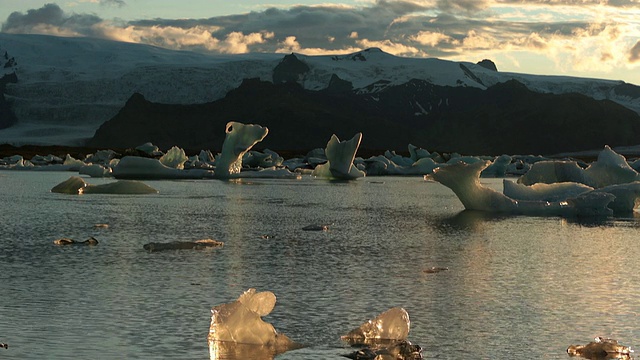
[574,34]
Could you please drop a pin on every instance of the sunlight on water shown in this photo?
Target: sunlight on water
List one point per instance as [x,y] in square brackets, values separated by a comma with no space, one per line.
[515,286]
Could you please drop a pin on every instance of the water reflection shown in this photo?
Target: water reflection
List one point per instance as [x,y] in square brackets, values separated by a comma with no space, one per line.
[226,350]
[466,220]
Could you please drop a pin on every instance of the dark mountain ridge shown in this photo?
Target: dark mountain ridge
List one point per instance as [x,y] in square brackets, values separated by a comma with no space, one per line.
[505,118]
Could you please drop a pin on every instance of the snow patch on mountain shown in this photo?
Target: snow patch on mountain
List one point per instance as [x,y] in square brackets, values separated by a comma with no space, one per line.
[69,86]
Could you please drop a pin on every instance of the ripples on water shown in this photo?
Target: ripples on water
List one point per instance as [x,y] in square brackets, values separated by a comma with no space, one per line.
[516,286]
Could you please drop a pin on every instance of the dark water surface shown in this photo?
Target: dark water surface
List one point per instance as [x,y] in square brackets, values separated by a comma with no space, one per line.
[517,287]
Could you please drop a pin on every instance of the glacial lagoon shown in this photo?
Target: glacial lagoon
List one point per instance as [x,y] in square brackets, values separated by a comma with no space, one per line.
[516,286]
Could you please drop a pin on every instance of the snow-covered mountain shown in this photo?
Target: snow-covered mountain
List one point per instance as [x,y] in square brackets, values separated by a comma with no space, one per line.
[68,87]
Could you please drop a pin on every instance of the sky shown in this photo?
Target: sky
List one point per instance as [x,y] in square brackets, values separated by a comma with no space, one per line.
[585,38]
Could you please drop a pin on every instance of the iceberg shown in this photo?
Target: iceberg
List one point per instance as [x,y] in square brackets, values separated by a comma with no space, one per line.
[610,168]
[544,192]
[553,171]
[340,155]
[601,348]
[135,167]
[95,170]
[393,324]
[463,180]
[240,322]
[239,139]
[174,158]
[75,185]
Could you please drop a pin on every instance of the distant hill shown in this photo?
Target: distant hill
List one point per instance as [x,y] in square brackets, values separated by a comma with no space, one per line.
[67,88]
[505,118]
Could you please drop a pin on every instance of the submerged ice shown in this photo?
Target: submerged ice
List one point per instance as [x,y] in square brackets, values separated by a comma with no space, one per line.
[75,185]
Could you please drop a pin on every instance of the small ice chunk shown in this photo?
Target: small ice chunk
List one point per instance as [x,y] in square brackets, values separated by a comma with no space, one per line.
[135,167]
[393,324]
[241,322]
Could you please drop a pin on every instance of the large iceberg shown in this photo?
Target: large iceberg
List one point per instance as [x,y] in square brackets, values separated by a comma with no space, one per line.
[240,322]
[239,139]
[464,180]
[340,155]
[610,168]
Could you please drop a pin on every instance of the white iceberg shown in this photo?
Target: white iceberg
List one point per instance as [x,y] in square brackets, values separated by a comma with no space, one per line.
[611,168]
[174,158]
[240,322]
[393,324]
[340,155]
[135,167]
[75,185]
[463,179]
[554,171]
[239,139]
[95,170]
[544,192]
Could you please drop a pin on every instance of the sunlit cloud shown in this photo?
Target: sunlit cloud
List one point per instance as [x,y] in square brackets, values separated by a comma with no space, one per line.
[596,36]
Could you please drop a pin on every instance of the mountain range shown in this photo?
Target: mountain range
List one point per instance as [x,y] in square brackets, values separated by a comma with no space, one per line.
[90,92]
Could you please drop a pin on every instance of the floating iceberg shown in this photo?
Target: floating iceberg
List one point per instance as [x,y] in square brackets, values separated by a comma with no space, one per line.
[239,139]
[544,192]
[174,158]
[601,348]
[76,185]
[135,167]
[463,179]
[610,168]
[393,324]
[340,155]
[240,322]
[95,170]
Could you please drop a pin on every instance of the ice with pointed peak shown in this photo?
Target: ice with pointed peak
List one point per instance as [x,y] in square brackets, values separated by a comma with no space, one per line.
[239,139]
[135,167]
[611,168]
[240,322]
[393,324]
[75,185]
[340,155]
[174,158]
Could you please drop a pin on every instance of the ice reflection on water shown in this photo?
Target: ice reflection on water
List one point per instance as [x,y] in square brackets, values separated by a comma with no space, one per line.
[516,286]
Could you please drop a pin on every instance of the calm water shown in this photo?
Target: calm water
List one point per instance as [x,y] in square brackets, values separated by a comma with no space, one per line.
[520,287]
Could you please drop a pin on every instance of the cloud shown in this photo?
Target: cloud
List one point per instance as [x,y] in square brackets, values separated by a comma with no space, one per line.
[593,35]
[118,3]
[50,19]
